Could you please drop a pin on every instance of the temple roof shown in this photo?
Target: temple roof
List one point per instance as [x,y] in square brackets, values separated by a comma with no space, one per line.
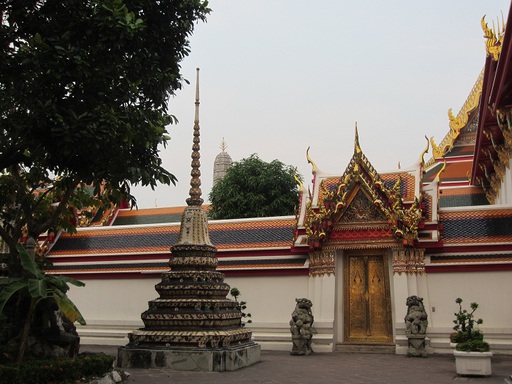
[145,248]
[267,233]
[150,215]
[494,133]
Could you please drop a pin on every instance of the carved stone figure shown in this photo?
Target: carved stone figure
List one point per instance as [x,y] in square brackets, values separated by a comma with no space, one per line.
[301,327]
[416,318]
[416,326]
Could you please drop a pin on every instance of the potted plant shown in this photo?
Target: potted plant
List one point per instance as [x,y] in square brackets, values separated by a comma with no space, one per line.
[472,353]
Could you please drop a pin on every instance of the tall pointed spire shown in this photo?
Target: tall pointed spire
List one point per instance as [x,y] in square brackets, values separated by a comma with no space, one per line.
[195,183]
[192,325]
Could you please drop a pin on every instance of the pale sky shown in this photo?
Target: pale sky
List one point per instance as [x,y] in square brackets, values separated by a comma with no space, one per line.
[280,76]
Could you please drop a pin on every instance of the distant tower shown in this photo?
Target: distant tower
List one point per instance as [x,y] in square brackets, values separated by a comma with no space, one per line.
[222,163]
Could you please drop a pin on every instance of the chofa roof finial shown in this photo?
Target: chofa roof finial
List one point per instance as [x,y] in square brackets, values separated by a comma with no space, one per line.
[357,148]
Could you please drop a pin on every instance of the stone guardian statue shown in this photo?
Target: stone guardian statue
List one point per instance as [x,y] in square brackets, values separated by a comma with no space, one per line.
[301,327]
[416,326]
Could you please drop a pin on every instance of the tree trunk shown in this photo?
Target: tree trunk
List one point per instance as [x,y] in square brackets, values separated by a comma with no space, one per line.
[26,329]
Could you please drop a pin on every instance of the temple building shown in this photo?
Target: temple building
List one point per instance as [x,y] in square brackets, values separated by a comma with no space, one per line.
[362,242]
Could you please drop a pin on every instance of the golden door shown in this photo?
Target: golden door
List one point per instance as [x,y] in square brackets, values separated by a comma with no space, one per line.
[367,299]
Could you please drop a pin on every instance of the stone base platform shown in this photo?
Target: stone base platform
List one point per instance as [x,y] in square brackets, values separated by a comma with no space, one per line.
[366,348]
[189,359]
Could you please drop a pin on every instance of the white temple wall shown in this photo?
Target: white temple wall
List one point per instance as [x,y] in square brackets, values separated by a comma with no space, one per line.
[270,298]
[271,301]
[112,308]
[114,299]
[491,290]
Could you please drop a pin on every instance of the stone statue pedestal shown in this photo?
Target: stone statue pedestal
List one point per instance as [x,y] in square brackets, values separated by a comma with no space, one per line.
[301,346]
[416,345]
[189,359]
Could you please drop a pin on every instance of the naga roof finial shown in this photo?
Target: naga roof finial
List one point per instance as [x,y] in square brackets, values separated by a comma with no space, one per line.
[195,183]
[296,176]
[493,38]
[310,161]
[357,148]
[438,176]
[422,156]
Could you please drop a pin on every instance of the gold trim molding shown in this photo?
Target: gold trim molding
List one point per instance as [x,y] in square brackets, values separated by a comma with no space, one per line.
[456,123]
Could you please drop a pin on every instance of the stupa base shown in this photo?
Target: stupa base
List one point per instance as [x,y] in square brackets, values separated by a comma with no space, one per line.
[189,359]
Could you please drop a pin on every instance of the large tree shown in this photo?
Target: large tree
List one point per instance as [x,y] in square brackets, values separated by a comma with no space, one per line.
[255,188]
[84,89]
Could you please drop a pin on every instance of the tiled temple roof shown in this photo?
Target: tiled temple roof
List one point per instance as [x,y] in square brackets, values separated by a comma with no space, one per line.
[462,197]
[150,216]
[245,244]
[477,226]
[225,235]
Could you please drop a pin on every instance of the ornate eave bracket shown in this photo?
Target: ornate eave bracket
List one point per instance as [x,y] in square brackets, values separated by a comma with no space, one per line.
[321,263]
[410,261]
[493,177]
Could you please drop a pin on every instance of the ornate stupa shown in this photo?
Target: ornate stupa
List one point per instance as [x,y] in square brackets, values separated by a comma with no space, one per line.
[192,325]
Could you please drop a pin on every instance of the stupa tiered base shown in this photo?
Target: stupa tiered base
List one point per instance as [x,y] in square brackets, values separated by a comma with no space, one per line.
[210,359]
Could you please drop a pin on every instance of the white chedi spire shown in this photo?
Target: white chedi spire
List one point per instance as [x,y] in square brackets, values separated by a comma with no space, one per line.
[222,163]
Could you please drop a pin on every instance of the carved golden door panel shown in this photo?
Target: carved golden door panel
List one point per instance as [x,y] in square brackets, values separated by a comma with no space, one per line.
[367,300]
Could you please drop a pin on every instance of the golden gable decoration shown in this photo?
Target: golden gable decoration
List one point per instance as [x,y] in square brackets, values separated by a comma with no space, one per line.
[344,202]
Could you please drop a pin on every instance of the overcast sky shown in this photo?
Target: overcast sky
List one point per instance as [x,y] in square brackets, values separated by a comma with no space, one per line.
[280,76]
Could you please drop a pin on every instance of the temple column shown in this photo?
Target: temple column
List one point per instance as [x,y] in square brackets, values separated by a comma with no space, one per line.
[322,293]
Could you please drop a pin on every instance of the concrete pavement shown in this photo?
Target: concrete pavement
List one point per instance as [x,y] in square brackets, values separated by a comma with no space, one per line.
[322,368]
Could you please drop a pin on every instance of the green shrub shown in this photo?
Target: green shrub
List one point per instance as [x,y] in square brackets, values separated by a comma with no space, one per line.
[473,346]
[460,337]
[467,336]
[56,371]
[241,306]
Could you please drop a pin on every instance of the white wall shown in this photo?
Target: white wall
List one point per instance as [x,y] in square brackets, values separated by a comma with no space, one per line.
[491,290]
[271,299]
[121,300]
[112,308]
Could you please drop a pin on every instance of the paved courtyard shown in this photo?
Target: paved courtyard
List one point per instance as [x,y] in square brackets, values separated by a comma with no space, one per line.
[321,368]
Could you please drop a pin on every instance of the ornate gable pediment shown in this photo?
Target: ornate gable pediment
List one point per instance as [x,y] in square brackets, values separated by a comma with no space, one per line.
[360,196]
[360,210]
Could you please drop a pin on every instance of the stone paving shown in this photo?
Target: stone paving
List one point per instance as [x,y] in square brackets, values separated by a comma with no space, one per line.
[321,368]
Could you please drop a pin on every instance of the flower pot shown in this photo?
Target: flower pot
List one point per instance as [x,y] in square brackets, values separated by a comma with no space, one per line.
[473,363]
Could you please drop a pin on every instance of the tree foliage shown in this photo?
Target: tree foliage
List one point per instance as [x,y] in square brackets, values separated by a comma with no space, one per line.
[84,87]
[84,91]
[255,188]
